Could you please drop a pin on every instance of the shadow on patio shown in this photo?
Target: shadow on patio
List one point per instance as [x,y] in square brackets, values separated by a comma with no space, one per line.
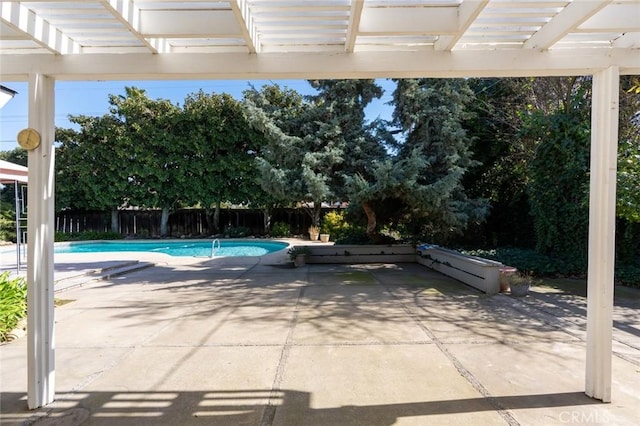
[265,407]
[241,342]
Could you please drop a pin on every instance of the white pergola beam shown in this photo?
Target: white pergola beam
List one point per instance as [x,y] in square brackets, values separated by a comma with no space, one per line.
[391,64]
[468,11]
[128,14]
[602,217]
[40,226]
[566,21]
[21,19]
[247,26]
[353,27]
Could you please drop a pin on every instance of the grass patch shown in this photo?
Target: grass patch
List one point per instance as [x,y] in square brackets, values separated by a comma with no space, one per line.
[435,286]
[416,281]
[357,278]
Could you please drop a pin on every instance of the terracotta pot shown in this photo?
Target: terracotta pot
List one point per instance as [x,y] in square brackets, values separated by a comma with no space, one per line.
[505,271]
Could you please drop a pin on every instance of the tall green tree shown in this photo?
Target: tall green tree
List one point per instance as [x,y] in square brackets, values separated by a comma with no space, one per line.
[277,113]
[222,148]
[342,103]
[361,144]
[316,142]
[513,118]
[503,157]
[559,182]
[89,166]
[629,152]
[430,114]
[156,151]
[18,156]
[628,189]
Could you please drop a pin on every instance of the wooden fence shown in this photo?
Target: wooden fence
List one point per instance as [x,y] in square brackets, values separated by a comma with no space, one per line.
[185,222]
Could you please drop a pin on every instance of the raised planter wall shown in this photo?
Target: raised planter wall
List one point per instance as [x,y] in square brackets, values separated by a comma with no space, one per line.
[397,253]
[477,272]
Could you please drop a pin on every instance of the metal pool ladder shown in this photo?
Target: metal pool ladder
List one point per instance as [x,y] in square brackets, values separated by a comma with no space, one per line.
[213,246]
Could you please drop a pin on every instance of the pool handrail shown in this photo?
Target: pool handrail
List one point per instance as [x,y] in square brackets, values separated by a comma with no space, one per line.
[213,247]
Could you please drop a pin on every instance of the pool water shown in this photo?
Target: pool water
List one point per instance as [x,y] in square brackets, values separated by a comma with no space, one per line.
[198,248]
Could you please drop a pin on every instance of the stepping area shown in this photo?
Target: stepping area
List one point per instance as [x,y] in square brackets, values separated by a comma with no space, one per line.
[247,341]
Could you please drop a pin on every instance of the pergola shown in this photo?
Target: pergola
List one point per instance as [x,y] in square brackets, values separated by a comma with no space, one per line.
[44,41]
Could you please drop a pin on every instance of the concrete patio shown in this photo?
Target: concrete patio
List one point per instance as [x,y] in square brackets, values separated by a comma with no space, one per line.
[249,341]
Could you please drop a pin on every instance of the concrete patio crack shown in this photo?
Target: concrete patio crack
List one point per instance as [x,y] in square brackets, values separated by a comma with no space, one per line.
[269,412]
[462,370]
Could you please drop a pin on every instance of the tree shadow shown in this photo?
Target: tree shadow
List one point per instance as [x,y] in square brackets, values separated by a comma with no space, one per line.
[274,306]
[340,302]
[260,407]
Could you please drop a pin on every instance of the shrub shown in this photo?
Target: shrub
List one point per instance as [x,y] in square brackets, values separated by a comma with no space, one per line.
[526,260]
[334,224]
[559,182]
[295,251]
[628,274]
[537,264]
[13,303]
[142,233]
[87,236]
[353,235]
[280,229]
[8,226]
[237,232]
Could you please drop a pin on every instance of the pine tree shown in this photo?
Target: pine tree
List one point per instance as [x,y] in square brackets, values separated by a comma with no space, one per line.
[435,155]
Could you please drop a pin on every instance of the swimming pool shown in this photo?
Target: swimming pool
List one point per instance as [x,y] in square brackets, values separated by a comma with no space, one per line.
[190,248]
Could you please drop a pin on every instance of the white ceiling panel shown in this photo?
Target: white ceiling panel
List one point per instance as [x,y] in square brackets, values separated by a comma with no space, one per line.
[189,23]
[418,20]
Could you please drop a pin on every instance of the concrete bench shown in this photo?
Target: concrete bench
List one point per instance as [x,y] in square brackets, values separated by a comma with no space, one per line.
[477,272]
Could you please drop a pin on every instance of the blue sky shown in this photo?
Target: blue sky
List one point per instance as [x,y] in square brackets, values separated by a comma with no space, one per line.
[92,98]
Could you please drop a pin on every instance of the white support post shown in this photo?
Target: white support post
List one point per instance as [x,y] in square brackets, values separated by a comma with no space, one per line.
[40,229]
[602,215]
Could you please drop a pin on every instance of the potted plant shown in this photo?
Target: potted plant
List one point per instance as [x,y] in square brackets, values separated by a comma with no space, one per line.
[519,284]
[324,234]
[314,231]
[299,254]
